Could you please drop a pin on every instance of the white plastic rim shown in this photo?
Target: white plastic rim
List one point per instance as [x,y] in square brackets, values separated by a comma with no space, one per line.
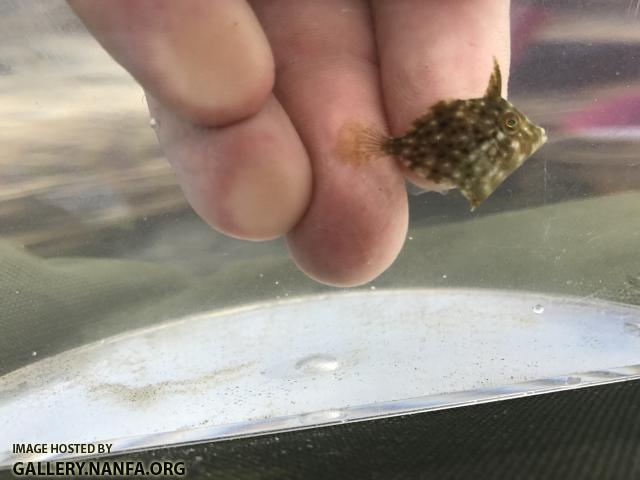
[315,361]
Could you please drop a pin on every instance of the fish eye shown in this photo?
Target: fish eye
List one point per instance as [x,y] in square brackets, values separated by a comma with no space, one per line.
[511,121]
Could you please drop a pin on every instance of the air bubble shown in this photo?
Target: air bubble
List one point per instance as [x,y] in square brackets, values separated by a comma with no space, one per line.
[322,417]
[538,309]
[573,380]
[318,363]
[153,123]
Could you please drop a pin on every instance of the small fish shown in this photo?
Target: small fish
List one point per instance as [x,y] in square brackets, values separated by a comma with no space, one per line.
[471,144]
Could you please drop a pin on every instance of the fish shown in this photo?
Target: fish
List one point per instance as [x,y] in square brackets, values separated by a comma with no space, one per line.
[471,144]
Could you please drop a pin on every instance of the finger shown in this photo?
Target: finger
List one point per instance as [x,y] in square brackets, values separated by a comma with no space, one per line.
[433,50]
[207,59]
[357,220]
[250,180]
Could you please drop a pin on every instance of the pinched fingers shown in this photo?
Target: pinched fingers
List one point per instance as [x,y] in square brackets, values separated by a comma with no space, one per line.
[208,62]
[204,64]
[327,76]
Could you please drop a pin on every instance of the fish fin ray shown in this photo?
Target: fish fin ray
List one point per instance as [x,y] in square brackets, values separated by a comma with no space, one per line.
[494,89]
[358,144]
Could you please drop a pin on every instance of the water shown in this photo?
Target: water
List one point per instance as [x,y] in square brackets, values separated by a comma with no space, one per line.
[98,240]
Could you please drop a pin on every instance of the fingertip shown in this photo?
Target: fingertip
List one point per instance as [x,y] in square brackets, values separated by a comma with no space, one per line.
[346,239]
[221,85]
[250,180]
[431,51]
[233,103]
[261,203]
[340,265]
[209,61]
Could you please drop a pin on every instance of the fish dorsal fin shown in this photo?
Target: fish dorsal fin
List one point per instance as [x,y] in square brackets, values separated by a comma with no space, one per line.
[494,89]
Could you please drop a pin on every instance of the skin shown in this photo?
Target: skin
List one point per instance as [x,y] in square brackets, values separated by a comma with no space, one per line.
[249,98]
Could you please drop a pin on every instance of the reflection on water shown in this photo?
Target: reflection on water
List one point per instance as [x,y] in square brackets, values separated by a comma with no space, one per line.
[81,176]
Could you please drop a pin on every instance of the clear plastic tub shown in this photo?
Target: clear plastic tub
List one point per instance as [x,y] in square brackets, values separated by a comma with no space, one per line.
[119,305]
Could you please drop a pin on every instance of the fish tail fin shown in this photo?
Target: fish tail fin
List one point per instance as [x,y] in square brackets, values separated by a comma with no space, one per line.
[359,144]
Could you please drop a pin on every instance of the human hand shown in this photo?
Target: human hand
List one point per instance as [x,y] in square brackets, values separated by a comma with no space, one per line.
[249,98]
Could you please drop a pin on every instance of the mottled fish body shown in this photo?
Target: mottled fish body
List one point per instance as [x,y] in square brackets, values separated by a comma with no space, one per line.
[472,144]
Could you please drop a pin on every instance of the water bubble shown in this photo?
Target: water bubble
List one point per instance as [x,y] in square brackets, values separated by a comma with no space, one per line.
[410,238]
[34,353]
[318,363]
[537,309]
[444,276]
[276,282]
[153,123]
[372,287]
[323,416]
[565,380]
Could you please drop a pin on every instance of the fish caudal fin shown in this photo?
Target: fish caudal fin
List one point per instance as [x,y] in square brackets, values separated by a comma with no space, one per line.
[359,144]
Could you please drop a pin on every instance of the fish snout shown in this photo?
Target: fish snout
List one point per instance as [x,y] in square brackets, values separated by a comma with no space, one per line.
[541,136]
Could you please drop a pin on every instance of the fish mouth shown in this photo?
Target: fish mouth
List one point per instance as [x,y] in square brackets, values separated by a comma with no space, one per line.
[543,134]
